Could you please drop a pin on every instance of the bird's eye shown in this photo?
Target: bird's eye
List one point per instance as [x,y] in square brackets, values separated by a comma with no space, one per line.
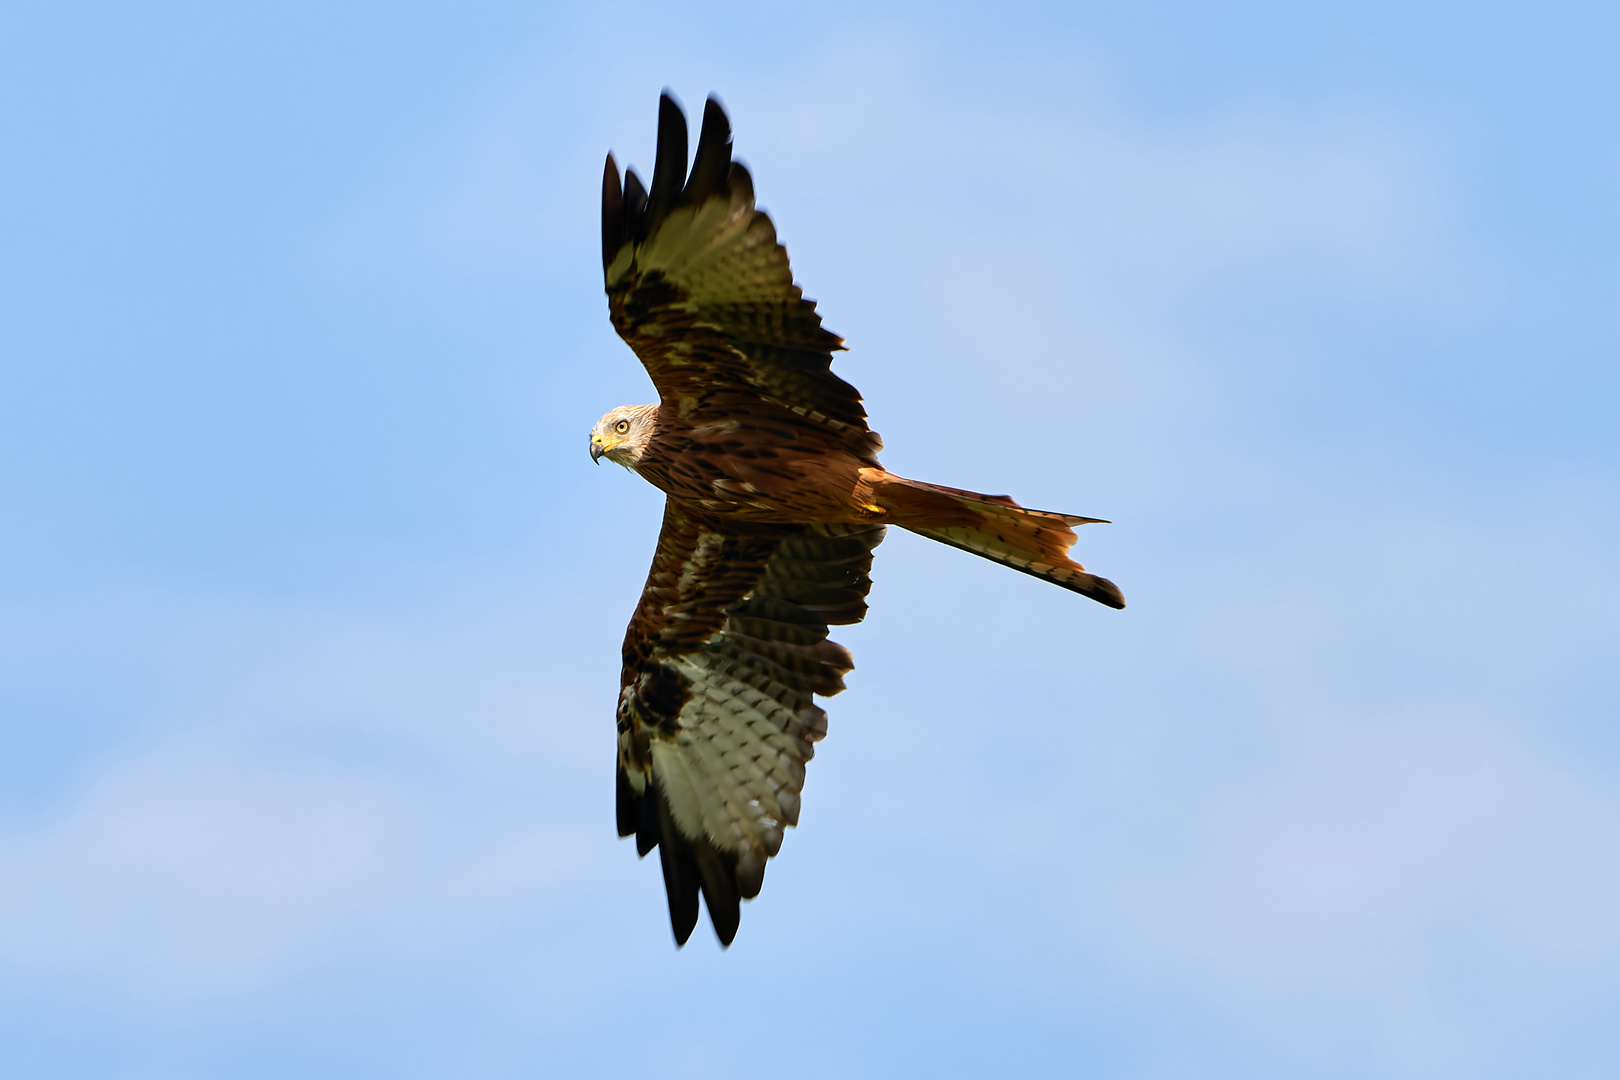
[622,426]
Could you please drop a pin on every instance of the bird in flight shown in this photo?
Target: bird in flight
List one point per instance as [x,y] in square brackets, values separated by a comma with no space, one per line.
[775,501]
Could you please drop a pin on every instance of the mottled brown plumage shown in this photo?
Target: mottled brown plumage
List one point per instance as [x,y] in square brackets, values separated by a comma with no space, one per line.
[776,501]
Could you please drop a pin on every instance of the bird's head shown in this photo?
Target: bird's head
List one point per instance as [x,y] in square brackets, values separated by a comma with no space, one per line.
[622,435]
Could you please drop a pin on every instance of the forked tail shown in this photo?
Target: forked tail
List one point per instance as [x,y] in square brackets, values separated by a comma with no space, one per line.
[1035,542]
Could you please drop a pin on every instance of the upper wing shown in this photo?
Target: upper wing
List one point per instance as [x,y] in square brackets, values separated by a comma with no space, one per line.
[700,289]
[715,713]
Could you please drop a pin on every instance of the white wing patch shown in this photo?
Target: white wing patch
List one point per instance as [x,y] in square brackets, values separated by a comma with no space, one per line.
[735,768]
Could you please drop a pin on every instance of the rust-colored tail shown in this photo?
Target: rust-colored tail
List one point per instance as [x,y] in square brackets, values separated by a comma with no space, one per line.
[1034,541]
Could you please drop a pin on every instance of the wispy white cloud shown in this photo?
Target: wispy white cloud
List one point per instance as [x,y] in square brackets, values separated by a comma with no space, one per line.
[1402,894]
[1383,838]
[194,869]
[305,782]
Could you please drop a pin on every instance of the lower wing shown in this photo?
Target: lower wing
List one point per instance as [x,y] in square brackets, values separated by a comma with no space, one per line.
[716,718]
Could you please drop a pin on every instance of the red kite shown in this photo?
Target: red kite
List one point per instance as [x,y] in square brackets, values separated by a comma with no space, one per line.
[775,502]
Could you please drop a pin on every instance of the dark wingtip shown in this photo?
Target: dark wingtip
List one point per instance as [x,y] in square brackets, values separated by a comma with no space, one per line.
[669,169]
[711,165]
[647,828]
[613,223]
[625,803]
[725,915]
[739,179]
[717,877]
[680,876]
[635,204]
[637,814]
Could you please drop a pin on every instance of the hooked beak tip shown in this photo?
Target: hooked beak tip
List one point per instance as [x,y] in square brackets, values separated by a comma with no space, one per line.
[597,450]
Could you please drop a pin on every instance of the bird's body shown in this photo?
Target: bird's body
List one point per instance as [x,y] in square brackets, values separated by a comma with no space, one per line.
[776,500]
[770,466]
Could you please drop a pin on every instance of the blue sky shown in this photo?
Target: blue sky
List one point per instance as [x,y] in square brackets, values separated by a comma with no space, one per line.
[310,599]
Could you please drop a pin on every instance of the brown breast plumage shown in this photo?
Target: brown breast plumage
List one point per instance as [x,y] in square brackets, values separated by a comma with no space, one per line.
[765,464]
